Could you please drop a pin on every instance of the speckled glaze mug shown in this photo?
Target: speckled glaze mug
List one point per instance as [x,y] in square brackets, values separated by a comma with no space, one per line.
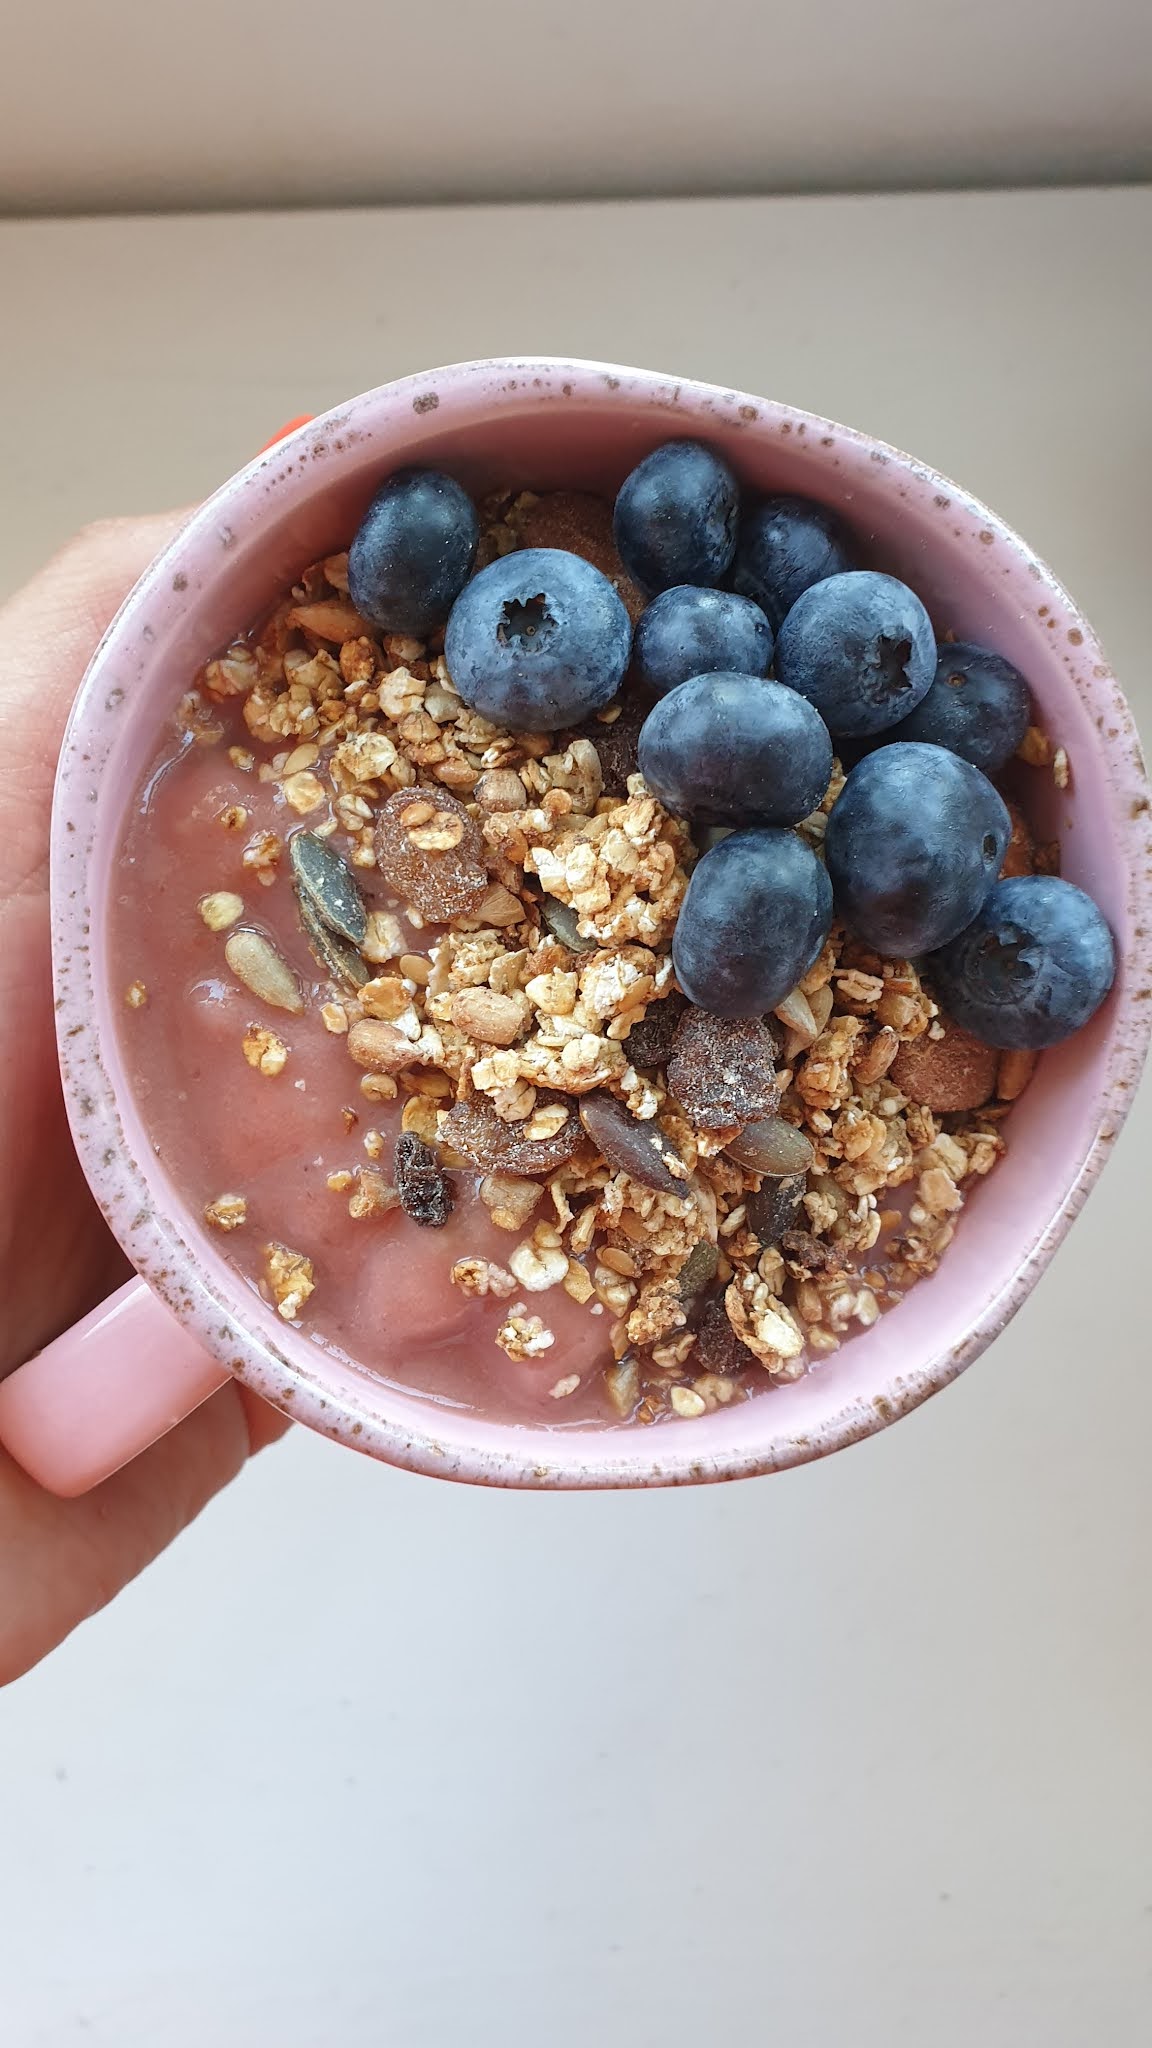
[104,1390]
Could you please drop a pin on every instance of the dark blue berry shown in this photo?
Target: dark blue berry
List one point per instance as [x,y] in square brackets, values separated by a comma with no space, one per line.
[914,843]
[736,750]
[861,647]
[675,517]
[538,640]
[756,914]
[413,552]
[784,545]
[1035,963]
[978,706]
[690,631]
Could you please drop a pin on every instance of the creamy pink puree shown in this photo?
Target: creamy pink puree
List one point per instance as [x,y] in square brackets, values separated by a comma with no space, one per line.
[383,1295]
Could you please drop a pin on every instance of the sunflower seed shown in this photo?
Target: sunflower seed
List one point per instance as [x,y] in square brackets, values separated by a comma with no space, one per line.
[256,963]
[334,954]
[329,885]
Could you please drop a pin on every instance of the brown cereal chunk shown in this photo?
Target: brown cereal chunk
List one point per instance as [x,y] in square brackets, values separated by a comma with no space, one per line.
[424,1188]
[429,851]
[581,524]
[616,742]
[649,1043]
[723,1069]
[806,1255]
[474,1129]
[718,1349]
[948,1073]
[632,1146]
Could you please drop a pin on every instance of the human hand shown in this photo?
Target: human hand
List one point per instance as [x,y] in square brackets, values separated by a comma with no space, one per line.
[61,1560]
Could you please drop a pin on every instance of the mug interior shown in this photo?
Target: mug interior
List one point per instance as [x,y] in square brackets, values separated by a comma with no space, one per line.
[545,426]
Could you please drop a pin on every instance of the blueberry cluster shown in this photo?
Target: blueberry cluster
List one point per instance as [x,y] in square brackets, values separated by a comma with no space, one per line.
[763,643]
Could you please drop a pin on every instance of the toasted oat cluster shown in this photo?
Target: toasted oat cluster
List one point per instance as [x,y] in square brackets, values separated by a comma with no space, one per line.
[519,1001]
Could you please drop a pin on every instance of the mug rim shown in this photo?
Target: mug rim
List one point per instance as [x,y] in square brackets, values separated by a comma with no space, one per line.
[190,1283]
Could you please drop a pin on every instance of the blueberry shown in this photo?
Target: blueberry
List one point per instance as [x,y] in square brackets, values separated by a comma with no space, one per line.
[1036,962]
[861,647]
[413,552]
[978,706]
[675,517]
[914,844]
[538,640]
[756,914]
[784,545]
[736,750]
[690,631]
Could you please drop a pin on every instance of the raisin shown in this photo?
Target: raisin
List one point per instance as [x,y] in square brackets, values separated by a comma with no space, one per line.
[423,1186]
[639,1149]
[475,1131]
[717,1347]
[428,850]
[649,1043]
[723,1070]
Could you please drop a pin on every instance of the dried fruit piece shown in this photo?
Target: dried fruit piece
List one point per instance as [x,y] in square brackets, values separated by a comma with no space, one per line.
[772,1145]
[638,1149]
[718,1348]
[650,1042]
[423,1186]
[334,954]
[473,1129]
[428,850]
[561,921]
[329,886]
[949,1073]
[723,1069]
[259,967]
[698,1270]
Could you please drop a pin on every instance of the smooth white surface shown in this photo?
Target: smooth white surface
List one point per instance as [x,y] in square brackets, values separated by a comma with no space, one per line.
[127,104]
[858,1754]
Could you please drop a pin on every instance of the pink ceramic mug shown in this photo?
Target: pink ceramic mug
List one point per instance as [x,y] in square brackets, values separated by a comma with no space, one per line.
[102,1391]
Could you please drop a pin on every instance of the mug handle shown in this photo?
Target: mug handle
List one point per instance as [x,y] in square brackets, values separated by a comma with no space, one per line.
[103,1391]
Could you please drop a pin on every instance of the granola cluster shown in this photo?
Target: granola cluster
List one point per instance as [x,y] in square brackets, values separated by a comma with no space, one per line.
[536,884]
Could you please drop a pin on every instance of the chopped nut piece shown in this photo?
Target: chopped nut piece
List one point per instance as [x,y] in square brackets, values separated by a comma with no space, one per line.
[221,909]
[386,997]
[687,1403]
[509,1200]
[290,1279]
[382,1047]
[490,1018]
[501,789]
[1013,1074]
[227,1212]
[304,792]
[334,1018]
[264,1050]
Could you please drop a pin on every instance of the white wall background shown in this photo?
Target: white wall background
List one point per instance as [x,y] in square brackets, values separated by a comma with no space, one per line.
[134,104]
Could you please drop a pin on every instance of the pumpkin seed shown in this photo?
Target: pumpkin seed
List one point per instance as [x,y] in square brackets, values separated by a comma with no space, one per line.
[329,885]
[334,954]
[637,1148]
[698,1270]
[256,963]
[772,1145]
[560,919]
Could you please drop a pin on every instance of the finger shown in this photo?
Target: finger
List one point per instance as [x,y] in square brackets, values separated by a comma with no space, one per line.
[48,632]
[62,1560]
